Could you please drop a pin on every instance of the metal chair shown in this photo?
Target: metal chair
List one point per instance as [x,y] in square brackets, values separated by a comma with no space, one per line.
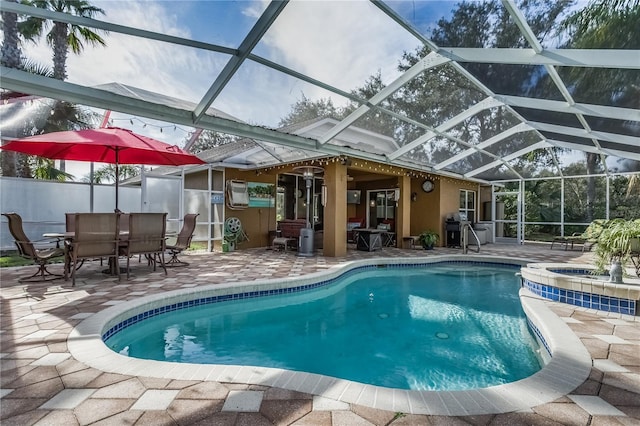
[183,241]
[27,249]
[96,235]
[147,233]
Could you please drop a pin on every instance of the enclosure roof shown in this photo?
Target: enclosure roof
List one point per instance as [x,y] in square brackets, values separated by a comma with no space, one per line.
[407,83]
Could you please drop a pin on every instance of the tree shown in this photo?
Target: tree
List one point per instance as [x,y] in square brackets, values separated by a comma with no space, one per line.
[374,120]
[63,36]
[19,119]
[441,93]
[22,119]
[11,57]
[11,52]
[306,109]
[107,173]
[43,168]
[624,199]
[603,24]
[209,139]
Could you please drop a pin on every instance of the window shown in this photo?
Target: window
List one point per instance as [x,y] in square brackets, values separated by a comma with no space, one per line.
[467,208]
[382,208]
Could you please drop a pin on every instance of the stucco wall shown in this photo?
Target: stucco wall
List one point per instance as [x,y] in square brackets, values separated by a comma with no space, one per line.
[256,221]
[425,210]
[430,210]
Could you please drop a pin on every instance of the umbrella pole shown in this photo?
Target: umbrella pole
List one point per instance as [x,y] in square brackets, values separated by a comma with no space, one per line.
[117,179]
[91,188]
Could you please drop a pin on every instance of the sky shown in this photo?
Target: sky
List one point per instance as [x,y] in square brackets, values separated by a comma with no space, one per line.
[339,42]
[326,49]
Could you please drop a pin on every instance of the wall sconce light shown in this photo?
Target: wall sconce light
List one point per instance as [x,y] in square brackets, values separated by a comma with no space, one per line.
[323,196]
[414,196]
[372,203]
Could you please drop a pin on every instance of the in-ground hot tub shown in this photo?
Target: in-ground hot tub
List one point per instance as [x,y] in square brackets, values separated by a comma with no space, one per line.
[576,285]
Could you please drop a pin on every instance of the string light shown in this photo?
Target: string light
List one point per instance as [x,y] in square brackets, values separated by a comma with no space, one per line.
[138,120]
[323,161]
[366,166]
[45,102]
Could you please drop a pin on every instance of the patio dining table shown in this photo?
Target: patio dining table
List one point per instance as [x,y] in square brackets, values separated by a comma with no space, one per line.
[69,235]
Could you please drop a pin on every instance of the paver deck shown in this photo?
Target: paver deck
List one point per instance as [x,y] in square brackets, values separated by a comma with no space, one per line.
[41,383]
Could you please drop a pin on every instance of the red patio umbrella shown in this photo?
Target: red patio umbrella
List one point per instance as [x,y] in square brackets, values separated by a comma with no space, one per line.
[104,145]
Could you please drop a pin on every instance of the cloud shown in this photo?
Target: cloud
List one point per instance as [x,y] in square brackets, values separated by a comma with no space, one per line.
[152,65]
[341,43]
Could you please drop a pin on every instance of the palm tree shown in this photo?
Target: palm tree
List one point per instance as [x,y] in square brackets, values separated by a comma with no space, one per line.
[63,36]
[11,57]
[11,53]
[45,116]
[107,173]
[45,169]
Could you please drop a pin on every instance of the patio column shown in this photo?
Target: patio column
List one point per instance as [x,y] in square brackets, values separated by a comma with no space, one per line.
[403,221]
[335,210]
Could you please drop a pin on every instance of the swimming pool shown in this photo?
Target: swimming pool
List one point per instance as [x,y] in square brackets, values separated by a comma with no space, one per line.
[567,365]
[434,327]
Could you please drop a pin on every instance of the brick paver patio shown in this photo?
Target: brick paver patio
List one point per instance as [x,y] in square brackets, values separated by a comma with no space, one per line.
[41,383]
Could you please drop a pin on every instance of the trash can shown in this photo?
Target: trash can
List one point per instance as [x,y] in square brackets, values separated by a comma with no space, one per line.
[305,244]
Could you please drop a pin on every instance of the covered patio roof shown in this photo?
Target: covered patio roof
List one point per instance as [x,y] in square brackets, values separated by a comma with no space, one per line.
[492,132]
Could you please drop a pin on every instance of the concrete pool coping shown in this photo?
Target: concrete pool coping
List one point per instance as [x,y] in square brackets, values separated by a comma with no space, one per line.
[569,366]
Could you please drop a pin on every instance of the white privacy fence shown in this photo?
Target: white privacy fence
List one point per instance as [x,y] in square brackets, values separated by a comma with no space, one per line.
[42,204]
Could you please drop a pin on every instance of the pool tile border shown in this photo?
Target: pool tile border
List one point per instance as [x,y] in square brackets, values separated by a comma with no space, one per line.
[569,284]
[566,370]
[202,301]
[583,299]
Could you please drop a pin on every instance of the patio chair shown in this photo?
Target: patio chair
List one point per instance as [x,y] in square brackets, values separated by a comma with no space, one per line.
[588,238]
[147,232]
[96,235]
[70,226]
[183,241]
[237,194]
[124,222]
[27,249]
[70,222]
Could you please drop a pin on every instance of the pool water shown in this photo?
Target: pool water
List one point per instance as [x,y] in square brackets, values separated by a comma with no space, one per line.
[434,327]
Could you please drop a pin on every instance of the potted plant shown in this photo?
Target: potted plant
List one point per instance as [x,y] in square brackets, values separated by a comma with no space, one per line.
[615,244]
[428,239]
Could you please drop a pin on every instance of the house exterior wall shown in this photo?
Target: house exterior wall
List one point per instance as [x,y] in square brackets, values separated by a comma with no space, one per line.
[427,212]
[430,210]
[256,221]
